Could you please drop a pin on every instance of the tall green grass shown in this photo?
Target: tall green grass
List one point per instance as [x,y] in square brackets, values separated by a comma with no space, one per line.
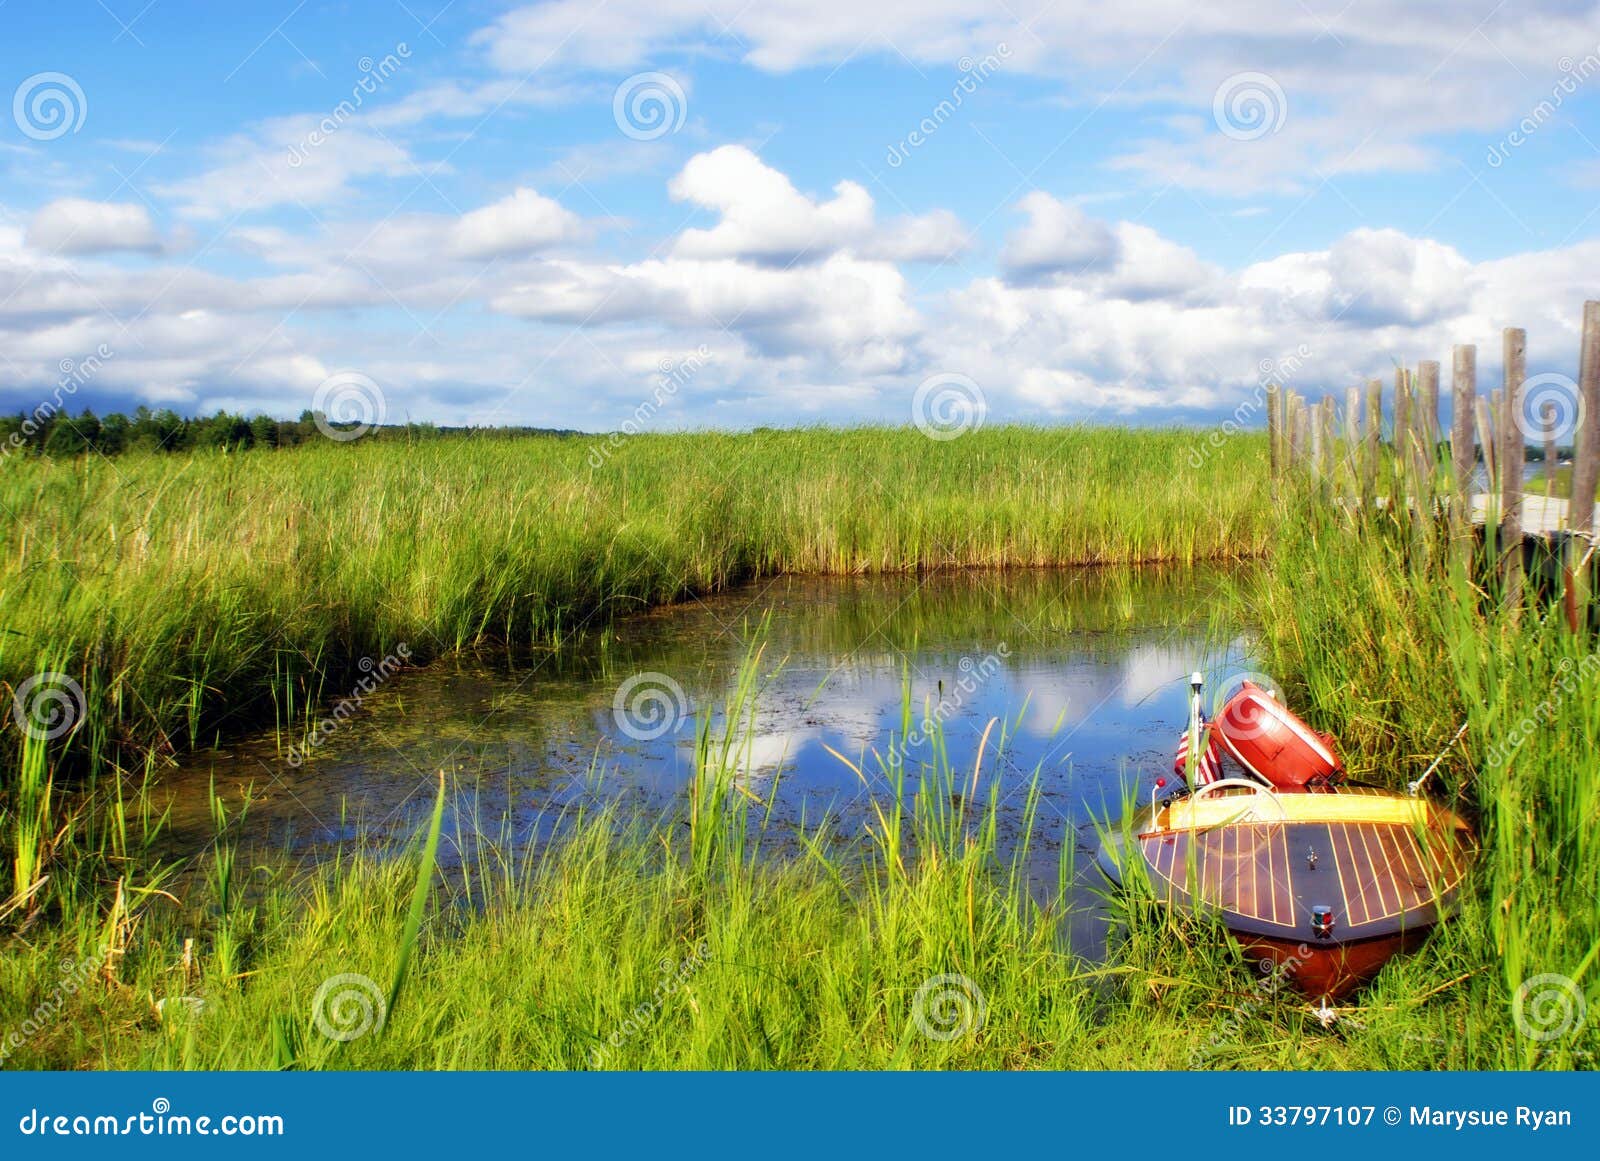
[682,945]
[188,595]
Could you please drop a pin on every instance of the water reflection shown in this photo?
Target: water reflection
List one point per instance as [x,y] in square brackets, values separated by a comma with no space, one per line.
[1083,671]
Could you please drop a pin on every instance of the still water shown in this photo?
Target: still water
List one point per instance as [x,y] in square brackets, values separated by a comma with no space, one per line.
[1083,673]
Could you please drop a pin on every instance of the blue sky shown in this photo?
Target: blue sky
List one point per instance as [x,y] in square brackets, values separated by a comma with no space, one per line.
[1067,211]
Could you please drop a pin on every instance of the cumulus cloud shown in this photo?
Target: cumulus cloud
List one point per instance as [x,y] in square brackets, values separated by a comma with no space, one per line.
[78,226]
[1060,243]
[519,224]
[765,219]
[1058,238]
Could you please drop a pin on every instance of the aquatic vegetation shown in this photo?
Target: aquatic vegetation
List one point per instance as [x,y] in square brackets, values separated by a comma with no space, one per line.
[678,944]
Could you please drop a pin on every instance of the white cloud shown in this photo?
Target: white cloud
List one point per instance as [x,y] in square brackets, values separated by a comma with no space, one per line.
[1058,238]
[78,226]
[852,313]
[1367,84]
[1059,244]
[765,219]
[519,224]
[285,162]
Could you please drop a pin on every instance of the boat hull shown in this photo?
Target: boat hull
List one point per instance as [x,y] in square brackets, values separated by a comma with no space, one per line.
[1329,884]
[1329,971]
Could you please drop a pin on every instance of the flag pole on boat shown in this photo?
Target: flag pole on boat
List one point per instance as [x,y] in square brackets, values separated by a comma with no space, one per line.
[1191,766]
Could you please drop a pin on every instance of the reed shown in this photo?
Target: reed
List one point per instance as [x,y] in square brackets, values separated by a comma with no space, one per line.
[690,943]
[191,595]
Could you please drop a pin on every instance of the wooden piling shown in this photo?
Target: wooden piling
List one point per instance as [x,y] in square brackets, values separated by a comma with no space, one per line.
[1402,412]
[1463,408]
[1428,410]
[1512,459]
[1484,413]
[1275,428]
[1586,440]
[1369,465]
[1549,416]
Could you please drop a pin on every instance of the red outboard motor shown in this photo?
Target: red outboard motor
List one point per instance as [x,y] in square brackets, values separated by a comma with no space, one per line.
[1259,733]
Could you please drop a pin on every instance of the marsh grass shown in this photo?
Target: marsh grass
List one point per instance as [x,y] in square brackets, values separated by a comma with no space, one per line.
[681,944]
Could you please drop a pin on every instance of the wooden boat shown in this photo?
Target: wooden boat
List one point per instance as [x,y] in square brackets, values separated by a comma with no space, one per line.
[1327,881]
[1325,878]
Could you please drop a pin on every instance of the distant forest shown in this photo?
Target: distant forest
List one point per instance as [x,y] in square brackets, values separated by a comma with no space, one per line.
[166,431]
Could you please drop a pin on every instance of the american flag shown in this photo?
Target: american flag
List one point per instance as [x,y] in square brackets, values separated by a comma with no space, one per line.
[1210,759]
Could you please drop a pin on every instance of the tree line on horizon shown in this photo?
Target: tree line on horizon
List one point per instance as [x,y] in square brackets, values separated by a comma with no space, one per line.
[164,430]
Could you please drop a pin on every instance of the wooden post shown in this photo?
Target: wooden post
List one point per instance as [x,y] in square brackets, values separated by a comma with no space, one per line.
[1491,499]
[1585,468]
[1463,409]
[1352,440]
[1586,440]
[1549,416]
[1314,460]
[1274,429]
[1428,410]
[1290,451]
[1402,411]
[1512,461]
[1369,467]
[1302,435]
[1326,437]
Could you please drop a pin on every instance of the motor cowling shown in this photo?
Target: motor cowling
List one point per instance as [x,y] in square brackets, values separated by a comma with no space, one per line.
[1259,732]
